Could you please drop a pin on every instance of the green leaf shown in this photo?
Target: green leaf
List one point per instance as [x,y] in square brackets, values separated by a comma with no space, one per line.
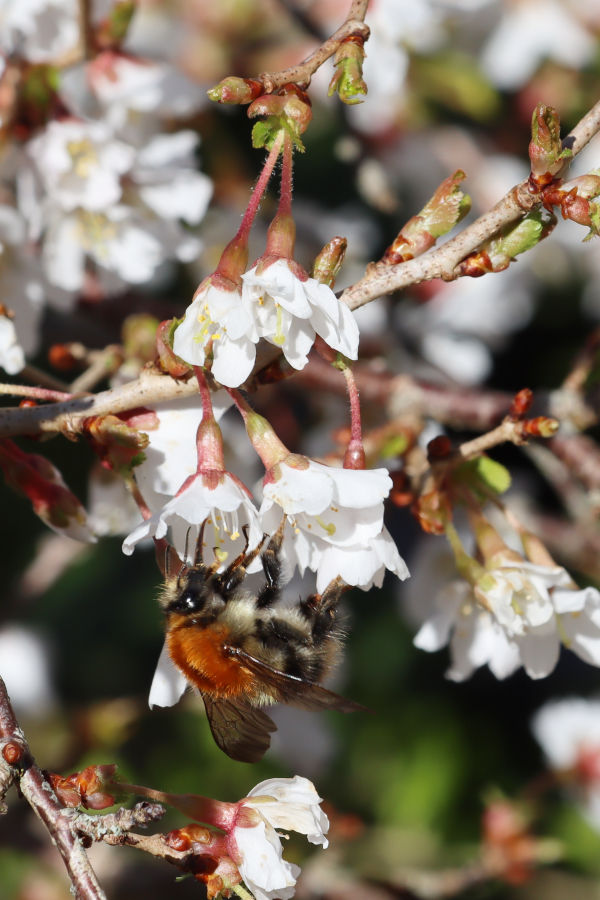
[493,474]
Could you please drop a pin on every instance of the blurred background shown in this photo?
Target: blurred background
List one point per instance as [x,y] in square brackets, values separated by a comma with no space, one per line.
[452,84]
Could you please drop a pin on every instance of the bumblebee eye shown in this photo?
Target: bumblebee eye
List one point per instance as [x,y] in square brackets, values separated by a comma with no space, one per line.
[186,602]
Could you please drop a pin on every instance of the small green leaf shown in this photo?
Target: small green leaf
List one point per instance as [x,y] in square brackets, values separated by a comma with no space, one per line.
[493,474]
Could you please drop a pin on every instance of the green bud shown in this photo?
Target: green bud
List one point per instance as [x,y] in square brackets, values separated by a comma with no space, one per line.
[441,213]
[348,80]
[235,90]
[519,238]
[545,149]
[329,261]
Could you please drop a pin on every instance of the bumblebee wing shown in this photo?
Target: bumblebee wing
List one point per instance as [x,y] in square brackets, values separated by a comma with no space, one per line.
[240,730]
[284,688]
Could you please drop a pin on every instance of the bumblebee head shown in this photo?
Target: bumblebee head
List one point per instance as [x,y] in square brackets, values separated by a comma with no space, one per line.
[195,593]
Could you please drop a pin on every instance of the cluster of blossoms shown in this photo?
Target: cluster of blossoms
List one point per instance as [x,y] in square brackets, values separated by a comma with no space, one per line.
[510,611]
[95,191]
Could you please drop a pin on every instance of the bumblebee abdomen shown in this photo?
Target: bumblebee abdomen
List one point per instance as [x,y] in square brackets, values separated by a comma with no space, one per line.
[199,653]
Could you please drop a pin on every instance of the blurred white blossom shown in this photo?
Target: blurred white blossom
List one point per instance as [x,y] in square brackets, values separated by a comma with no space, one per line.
[519,614]
[568,732]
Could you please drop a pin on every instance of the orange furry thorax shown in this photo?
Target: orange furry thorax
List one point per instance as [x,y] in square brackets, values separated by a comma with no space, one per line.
[199,653]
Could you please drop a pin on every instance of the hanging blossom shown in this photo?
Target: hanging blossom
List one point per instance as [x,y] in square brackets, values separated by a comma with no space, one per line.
[288,309]
[568,732]
[285,804]
[216,319]
[249,848]
[474,637]
[221,503]
[275,300]
[512,613]
[333,517]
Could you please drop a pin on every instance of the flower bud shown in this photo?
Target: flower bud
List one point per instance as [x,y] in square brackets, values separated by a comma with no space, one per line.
[545,149]
[348,80]
[119,445]
[329,261]
[42,484]
[235,90]
[138,334]
[498,252]
[167,360]
[289,111]
[521,403]
[441,213]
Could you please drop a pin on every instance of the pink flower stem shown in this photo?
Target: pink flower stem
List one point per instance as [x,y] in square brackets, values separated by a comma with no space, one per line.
[354,458]
[285,193]
[264,440]
[259,189]
[137,496]
[204,390]
[281,236]
[209,441]
[241,404]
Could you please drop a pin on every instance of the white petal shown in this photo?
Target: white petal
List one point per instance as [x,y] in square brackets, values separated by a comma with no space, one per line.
[539,654]
[262,866]
[168,684]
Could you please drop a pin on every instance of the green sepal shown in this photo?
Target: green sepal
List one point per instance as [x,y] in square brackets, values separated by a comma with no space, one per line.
[266,131]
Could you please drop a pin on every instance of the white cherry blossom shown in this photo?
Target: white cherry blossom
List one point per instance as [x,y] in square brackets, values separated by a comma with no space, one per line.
[518,615]
[261,864]
[123,84]
[531,32]
[475,638]
[216,314]
[221,500]
[80,164]
[38,30]
[288,310]
[89,195]
[291,804]
[334,521]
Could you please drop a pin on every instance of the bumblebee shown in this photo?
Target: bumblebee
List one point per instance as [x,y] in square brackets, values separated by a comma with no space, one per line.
[244,651]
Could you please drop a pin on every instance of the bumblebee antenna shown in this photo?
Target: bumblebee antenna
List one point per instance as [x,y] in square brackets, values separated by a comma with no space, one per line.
[187,543]
[198,561]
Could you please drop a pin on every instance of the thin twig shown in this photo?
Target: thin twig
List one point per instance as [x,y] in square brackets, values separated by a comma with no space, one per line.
[442,262]
[302,72]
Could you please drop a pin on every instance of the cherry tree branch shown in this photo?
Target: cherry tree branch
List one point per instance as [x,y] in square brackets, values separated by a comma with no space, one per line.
[72,831]
[443,261]
[38,792]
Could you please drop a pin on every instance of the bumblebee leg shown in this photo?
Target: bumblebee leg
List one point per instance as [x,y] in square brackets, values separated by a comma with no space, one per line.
[321,609]
[235,572]
[269,593]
